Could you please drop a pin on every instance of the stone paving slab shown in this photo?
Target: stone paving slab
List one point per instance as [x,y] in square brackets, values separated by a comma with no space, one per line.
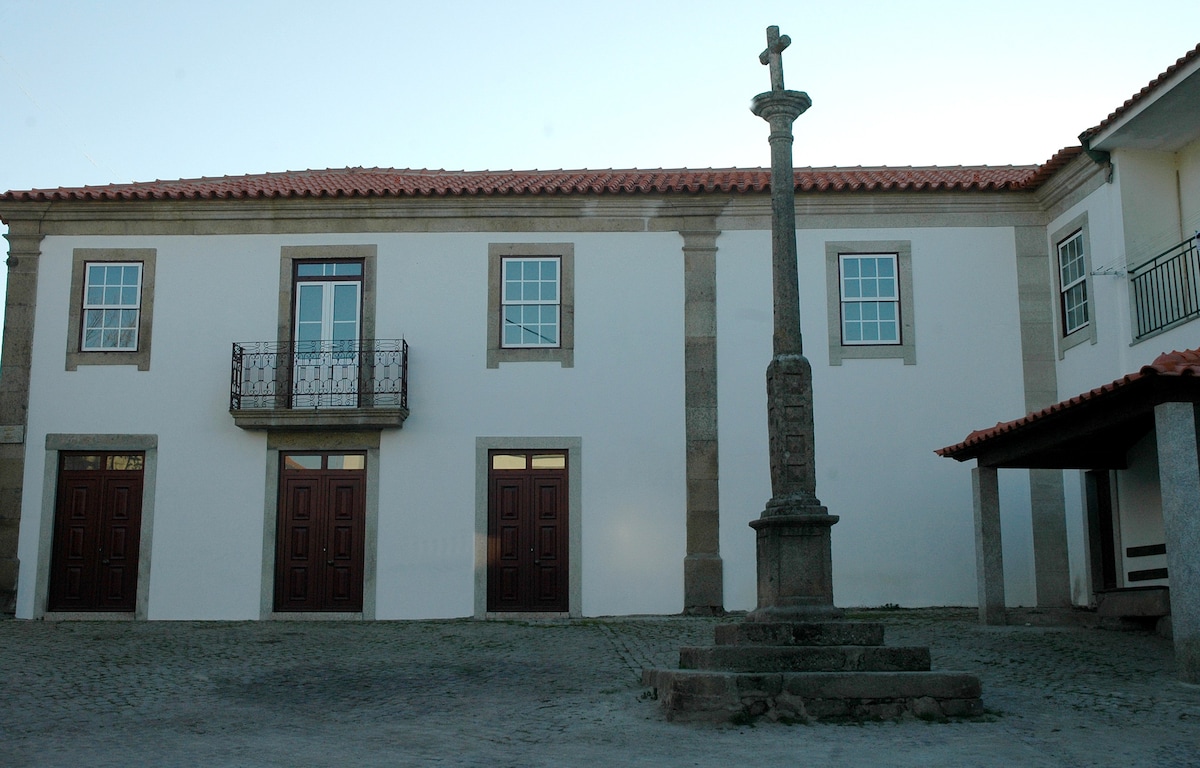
[549,694]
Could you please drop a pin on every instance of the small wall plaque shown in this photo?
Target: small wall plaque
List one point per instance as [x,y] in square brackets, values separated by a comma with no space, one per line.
[14,433]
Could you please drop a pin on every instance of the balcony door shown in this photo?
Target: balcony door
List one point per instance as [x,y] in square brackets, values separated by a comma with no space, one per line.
[326,333]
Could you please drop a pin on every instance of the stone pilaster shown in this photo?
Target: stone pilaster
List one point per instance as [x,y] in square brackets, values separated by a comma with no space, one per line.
[1177,426]
[1051,561]
[703,570]
[24,249]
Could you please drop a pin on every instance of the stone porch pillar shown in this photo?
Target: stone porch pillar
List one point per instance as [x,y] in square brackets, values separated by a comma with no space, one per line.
[1178,431]
[989,557]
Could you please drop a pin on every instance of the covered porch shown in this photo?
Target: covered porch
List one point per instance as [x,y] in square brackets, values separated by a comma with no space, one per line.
[1101,432]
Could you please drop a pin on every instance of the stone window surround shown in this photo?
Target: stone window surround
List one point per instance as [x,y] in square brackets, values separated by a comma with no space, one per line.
[1088,332]
[564,354]
[80,258]
[573,447]
[56,443]
[907,348]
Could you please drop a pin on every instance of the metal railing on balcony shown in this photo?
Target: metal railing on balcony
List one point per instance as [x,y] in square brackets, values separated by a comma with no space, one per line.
[1166,289]
[319,374]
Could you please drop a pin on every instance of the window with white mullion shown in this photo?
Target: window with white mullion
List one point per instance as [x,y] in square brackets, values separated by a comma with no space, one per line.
[1072,272]
[112,298]
[870,299]
[530,302]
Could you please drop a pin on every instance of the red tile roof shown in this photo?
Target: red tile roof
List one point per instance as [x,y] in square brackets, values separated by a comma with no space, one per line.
[1185,363]
[387,182]
[1136,98]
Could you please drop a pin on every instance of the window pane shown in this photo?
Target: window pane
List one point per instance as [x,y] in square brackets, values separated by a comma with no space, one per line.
[887,268]
[508,461]
[301,461]
[549,461]
[348,269]
[549,272]
[95,275]
[347,461]
[310,269]
[345,302]
[887,332]
[124,462]
[310,303]
[850,267]
[112,295]
[79,462]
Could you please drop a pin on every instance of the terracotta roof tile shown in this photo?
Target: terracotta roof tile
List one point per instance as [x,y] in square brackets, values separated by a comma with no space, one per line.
[1150,88]
[1185,363]
[388,182]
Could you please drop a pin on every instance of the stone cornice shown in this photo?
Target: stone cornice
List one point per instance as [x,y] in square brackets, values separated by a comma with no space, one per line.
[574,213]
[1078,179]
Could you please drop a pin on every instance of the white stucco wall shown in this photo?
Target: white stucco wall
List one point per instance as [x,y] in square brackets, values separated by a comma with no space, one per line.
[623,400]
[906,531]
[1139,511]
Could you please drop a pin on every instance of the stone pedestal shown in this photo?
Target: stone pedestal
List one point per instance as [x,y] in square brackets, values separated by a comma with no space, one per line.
[809,671]
[795,569]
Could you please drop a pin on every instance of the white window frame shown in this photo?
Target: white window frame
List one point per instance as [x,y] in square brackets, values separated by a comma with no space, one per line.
[508,302]
[104,307]
[880,299]
[1071,285]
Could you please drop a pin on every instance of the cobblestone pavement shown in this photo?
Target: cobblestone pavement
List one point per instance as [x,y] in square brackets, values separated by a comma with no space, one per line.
[548,694]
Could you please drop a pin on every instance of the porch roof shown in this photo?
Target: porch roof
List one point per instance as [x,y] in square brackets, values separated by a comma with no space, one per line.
[1093,430]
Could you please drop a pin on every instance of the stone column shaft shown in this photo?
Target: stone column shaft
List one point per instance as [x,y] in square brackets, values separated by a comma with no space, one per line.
[1177,427]
[989,555]
[795,572]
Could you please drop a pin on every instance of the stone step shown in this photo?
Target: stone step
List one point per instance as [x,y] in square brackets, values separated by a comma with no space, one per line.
[800,633]
[807,696]
[799,658]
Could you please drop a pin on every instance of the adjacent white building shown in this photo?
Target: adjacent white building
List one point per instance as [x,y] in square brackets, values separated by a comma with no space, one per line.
[389,394]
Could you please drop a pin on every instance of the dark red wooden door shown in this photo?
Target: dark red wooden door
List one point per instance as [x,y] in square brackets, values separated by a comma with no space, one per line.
[527,532]
[319,550]
[97,532]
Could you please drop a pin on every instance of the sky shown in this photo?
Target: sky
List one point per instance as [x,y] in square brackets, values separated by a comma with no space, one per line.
[124,90]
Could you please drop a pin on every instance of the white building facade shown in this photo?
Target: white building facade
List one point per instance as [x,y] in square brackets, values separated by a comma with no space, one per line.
[386,394]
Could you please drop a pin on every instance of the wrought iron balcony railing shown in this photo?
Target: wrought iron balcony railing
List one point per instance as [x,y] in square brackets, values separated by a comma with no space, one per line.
[1166,289]
[371,373]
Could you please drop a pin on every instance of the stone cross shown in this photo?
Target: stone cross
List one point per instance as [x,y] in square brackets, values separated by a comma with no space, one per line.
[773,56]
